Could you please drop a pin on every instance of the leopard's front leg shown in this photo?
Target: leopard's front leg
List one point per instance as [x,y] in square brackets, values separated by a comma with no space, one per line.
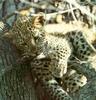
[41,70]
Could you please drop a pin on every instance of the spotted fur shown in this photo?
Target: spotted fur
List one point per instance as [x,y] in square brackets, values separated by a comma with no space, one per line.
[28,34]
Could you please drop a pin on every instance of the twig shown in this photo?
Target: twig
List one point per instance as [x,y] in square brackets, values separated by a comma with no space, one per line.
[39,6]
[73,2]
[4,10]
[15,12]
[72,12]
[48,16]
[16,2]
[87,67]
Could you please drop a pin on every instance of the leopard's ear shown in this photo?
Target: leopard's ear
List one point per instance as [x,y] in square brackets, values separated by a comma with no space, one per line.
[39,20]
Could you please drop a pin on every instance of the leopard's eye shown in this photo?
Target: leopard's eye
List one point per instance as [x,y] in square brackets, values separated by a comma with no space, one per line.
[33,31]
[29,28]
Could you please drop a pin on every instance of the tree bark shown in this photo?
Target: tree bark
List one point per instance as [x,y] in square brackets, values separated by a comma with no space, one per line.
[88,92]
[15,80]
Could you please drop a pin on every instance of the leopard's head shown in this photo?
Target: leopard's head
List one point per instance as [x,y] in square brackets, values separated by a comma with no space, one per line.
[36,27]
